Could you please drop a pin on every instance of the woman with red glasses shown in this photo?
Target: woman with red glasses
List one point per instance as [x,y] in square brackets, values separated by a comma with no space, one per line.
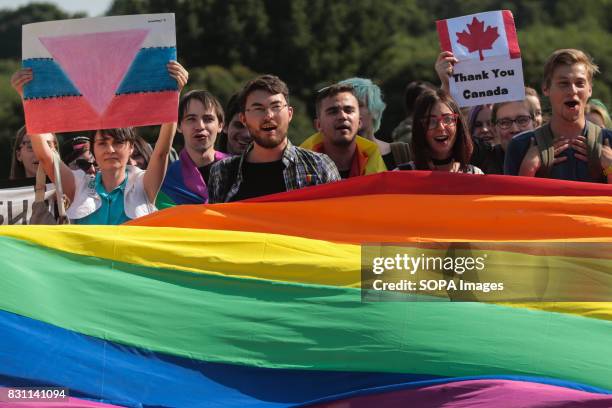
[440,139]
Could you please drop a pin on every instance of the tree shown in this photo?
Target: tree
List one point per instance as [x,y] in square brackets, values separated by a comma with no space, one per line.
[12,20]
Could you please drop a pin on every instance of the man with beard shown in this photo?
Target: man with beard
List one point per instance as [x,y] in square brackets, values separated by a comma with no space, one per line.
[271,164]
[568,147]
[200,120]
[337,123]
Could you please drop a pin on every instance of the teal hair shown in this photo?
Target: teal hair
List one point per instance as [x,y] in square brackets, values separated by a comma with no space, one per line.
[368,91]
[597,106]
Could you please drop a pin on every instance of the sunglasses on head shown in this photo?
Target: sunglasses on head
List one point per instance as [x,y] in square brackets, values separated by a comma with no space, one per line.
[84,164]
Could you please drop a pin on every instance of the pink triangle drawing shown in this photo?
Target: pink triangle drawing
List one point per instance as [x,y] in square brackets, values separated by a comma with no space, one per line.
[96,62]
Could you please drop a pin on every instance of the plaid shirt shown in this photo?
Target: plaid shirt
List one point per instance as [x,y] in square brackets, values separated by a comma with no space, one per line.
[303,168]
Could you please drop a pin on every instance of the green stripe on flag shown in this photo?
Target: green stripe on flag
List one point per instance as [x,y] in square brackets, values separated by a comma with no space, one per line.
[287,325]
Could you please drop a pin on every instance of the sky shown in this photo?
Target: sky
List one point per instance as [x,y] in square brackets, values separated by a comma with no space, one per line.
[91,7]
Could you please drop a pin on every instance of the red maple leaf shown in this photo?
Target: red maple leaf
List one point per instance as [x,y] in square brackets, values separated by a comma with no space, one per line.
[478,39]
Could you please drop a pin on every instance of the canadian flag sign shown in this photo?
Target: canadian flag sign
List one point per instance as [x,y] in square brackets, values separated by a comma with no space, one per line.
[490,69]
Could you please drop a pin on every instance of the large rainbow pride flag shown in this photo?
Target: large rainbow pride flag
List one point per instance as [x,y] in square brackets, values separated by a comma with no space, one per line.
[258,303]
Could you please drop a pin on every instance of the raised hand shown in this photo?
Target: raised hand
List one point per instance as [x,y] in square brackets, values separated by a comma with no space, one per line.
[445,65]
[579,144]
[179,73]
[532,162]
[20,78]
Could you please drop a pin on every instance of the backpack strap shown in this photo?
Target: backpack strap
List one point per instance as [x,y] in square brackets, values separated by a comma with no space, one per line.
[401,152]
[594,142]
[544,140]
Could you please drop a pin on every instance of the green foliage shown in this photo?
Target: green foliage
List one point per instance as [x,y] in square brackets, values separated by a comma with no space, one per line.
[11,114]
[310,43]
[12,20]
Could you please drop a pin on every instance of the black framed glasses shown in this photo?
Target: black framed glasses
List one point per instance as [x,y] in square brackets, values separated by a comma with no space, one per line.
[433,122]
[521,122]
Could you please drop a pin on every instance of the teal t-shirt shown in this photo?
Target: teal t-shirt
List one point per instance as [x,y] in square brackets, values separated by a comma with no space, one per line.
[111,212]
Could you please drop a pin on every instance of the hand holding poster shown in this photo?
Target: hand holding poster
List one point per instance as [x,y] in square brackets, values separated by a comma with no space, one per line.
[16,202]
[99,73]
[490,68]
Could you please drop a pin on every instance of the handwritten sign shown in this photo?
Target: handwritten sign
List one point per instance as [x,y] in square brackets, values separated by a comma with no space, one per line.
[16,204]
[99,73]
[490,68]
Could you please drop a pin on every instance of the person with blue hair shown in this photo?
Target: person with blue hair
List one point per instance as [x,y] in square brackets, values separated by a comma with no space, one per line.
[371,108]
[337,123]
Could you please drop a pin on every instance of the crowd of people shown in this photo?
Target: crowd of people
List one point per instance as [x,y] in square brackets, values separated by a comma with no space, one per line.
[112,175]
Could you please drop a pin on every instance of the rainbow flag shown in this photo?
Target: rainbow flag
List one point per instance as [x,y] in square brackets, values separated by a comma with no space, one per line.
[258,303]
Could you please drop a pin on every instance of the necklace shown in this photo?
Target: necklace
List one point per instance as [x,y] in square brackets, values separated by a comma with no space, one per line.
[442,162]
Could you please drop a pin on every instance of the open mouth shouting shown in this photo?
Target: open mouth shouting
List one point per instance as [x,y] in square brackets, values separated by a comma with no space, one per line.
[442,140]
[343,128]
[269,127]
[572,105]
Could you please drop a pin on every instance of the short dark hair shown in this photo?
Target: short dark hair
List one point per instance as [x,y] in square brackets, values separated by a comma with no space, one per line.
[330,91]
[413,91]
[207,99]
[232,107]
[125,135]
[74,147]
[463,147]
[269,83]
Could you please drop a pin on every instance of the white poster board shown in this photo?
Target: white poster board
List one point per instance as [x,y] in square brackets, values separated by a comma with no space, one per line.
[16,204]
[490,68]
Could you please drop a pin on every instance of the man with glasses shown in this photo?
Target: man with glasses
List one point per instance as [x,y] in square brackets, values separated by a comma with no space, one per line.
[271,164]
[337,122]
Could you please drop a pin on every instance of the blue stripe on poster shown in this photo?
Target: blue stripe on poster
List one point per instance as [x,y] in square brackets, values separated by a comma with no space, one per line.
[49,81]
[148,72]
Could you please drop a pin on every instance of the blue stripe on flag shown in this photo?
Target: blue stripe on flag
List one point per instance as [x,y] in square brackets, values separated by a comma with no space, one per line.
[34,353]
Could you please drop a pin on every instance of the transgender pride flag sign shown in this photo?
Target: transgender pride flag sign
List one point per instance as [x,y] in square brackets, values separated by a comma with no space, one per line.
[99,73]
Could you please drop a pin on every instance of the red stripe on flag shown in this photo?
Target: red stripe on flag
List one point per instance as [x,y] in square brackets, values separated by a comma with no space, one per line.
[440,182]
[513,45]
[445,42]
